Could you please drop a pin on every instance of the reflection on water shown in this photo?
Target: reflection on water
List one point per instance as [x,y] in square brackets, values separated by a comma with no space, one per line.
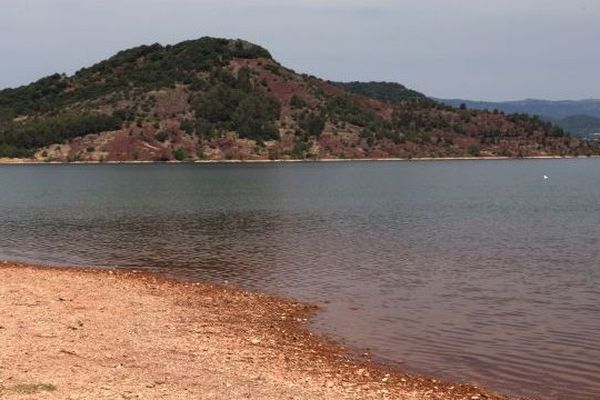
[467,270]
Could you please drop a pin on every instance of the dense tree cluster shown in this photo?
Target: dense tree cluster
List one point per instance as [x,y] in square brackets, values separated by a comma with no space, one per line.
[19,139]
[385,91]
[312,123]
[235,104]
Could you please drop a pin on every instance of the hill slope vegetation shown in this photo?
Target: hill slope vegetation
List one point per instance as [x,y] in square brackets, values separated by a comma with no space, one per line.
[224,99]
[579,117]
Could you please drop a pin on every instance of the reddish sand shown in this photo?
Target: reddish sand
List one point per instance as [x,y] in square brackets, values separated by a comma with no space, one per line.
[96,334]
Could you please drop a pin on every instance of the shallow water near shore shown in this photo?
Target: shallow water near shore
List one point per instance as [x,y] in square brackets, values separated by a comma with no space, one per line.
[474,271]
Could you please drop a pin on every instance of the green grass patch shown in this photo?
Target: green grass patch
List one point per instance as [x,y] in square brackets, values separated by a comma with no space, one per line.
[28,388]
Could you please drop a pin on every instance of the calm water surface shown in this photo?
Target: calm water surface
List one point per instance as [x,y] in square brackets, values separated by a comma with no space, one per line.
[475,271]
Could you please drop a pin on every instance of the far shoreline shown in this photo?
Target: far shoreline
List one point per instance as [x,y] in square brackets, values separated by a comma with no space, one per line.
[21,161]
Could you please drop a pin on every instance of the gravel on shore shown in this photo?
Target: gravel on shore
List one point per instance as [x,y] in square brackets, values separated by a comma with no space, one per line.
[70,333]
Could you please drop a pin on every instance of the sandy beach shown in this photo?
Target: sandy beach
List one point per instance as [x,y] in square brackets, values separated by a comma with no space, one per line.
[101,334]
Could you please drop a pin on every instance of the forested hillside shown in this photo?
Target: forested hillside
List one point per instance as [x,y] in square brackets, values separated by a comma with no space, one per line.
[228,99]
[384,91]
[580,117]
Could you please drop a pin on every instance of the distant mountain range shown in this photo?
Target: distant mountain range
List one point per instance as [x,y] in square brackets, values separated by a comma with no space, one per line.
[579,117]
[222,99]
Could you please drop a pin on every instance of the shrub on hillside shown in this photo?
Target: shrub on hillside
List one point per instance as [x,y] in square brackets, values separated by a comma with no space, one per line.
[179,154]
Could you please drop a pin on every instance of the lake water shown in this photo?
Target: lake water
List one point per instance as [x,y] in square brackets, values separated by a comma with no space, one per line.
[478,271]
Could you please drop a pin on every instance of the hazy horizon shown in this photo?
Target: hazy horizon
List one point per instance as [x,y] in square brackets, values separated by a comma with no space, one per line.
[490,52]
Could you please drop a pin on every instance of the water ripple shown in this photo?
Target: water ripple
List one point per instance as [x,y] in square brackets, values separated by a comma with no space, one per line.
[478,272]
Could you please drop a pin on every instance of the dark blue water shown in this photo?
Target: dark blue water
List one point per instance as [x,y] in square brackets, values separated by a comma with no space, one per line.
[476,271]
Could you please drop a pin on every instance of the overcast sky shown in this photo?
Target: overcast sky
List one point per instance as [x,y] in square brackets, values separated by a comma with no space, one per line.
[478,49]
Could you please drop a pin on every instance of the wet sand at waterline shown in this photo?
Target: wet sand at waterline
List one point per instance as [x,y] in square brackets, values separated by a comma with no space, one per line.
[102,334]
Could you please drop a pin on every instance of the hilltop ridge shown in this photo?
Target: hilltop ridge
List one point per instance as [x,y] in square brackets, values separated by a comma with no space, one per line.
[222,99]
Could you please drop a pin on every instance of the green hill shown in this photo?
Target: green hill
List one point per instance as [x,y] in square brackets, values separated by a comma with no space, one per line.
[228,99]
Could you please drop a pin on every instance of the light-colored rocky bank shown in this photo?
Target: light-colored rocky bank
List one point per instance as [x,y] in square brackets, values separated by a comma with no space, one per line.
[100,334]
[27,161]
